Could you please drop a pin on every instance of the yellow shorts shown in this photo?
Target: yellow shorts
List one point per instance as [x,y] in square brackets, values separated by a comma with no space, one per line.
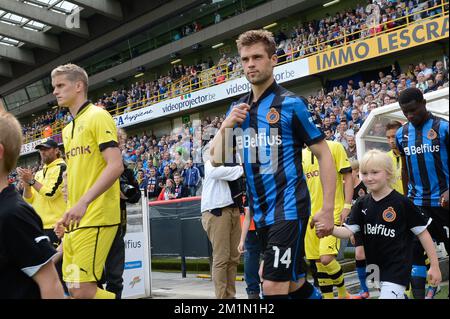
[315,247]
[84,253]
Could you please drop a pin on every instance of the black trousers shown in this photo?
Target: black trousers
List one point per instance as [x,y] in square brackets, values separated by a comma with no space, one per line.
[438,230]
[114,265]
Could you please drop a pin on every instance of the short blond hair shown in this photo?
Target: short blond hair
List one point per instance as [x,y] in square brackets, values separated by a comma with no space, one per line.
[10,139]
[257,36]
[354,164]
[73,73]
[376,159]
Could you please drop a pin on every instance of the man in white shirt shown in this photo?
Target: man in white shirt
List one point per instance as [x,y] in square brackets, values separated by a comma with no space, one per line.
[221,221]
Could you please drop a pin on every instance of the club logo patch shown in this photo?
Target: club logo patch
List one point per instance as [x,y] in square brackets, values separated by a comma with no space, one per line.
[273,116]
[431,134]
[389,215]
[361,192]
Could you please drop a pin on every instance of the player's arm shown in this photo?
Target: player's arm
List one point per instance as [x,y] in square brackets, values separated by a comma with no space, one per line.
[344,168]
[219,146]
[405,179]
[444,197]
[348,195]
[54,183]
[114,168]
[328,180]
[434,272]
[342,232]
[244,230]
[48,281]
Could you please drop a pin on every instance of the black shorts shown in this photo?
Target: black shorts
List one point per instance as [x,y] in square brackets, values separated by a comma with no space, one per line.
[283,250]
[438,230]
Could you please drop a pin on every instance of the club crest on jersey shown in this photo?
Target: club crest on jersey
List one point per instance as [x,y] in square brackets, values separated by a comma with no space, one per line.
[431,135]
[361,192]
[273,116]
[389,215]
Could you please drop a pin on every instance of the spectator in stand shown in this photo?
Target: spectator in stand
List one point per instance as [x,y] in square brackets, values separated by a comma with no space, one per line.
[165,176]
[356,121]
[142,180]
[425,70]
[351,147]
[153,188]
[328,134]
[340,134]
[191,178]
[167,193]
[180,191]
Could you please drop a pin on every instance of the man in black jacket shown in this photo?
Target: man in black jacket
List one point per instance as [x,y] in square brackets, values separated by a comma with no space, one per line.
[129,192]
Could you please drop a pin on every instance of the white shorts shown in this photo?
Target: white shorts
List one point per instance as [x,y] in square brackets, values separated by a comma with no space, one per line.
[389,290]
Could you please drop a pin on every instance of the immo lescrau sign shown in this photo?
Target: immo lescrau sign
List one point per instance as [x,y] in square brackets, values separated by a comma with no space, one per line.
[413,35]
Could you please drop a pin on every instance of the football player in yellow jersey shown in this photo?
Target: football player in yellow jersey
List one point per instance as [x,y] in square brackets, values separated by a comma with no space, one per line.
[394,153]
[94,164]
[324,251]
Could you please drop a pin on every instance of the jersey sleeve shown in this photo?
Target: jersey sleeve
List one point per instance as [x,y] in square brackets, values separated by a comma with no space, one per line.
[416,219]
[30,249]
[52,186]
[105,130]
[304,126]
[354,221]
[341,159]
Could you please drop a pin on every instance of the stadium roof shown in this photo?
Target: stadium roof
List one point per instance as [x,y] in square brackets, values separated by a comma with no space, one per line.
[30,29]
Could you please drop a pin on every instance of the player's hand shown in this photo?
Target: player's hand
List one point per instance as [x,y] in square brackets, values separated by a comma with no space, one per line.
[352,240]
[71,219]
[237,115]
[59,229]
[25,174]
[344,214]
[240,248]
[444,199]
[326,218]
[434,276]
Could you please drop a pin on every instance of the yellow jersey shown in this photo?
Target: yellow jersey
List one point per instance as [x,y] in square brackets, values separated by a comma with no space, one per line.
[90,132]
[312,175]
[49,200]
[397,163]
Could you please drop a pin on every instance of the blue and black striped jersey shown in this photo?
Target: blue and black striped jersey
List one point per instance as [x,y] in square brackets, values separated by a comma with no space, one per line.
[426,152]
[271,141]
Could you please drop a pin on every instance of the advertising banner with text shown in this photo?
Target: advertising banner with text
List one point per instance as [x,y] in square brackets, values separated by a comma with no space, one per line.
[29,147]
[283,73]
[405,38]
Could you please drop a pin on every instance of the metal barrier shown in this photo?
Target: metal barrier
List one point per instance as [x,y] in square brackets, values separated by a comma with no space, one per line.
[176,229]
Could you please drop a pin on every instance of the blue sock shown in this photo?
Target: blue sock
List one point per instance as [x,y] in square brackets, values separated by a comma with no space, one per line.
[361,270]
[418,281]
[315,294]
[306,291]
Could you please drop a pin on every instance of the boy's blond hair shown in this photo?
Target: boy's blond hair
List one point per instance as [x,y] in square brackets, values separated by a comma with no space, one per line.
[257,36]
[73,73]
[376,159]
[11,140]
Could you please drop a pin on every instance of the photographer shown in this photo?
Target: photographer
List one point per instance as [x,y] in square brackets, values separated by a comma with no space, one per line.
[220,206]
[129,193]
